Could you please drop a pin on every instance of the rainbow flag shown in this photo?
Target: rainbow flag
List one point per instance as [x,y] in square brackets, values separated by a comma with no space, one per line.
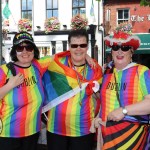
[61,83]
[71,105]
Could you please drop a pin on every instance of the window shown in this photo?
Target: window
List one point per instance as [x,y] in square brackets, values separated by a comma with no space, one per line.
[51,8]
[78,7]
[107,15]
[123,15]
[26,9]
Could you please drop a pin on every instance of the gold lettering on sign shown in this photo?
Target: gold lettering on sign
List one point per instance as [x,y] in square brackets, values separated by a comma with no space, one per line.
[137,18]
[148,17]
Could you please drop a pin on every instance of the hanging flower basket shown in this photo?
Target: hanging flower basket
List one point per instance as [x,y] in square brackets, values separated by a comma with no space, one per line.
[77,22]
[6,23]
[5,26]
[51,24]
[5,29]
[24,25]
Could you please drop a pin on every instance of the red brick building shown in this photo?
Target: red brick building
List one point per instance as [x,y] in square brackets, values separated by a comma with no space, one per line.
[117,11]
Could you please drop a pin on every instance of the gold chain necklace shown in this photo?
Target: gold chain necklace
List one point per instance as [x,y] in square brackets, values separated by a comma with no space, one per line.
[83,74]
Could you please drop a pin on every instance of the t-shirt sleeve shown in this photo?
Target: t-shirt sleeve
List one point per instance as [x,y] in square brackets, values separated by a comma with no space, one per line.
[144,79]
[43,63]
[146,82]
[3,77]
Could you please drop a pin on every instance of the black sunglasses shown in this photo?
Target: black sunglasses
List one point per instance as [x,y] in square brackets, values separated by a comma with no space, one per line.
[20,48]
[124,48]
[76,45]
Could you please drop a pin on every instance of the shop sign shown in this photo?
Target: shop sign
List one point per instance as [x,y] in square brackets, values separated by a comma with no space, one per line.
[137,18]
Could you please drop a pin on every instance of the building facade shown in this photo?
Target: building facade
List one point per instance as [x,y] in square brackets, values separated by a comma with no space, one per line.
[120,11]
[64,10]
[116,11]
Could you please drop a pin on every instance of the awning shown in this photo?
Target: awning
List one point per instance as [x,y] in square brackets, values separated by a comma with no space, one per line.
[145,44]
[144,47]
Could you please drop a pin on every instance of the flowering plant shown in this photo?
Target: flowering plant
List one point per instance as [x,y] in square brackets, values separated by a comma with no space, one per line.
[125,27]
[6,22]
[77,22]
[51,24]
[24,24]
[5,28]
[5,31]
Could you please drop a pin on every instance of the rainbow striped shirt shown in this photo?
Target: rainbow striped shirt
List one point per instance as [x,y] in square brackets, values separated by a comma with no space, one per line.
[132,84]
[20,109]
[72,117]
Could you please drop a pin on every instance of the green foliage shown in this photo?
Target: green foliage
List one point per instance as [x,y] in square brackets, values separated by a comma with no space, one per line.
[145,3]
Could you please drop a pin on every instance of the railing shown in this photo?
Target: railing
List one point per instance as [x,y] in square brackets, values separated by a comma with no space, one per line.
[56,41]
[91,32]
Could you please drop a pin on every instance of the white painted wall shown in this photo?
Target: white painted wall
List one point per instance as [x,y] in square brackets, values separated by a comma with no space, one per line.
[65,12]
[39,13]
[65,15]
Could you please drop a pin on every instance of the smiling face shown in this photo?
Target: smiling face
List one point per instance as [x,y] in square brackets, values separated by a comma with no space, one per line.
[25,54]
[122,58]
[78,48]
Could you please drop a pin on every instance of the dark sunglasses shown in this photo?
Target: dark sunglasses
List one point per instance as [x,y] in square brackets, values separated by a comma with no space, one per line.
[20,48]
[76,45]
[124,48]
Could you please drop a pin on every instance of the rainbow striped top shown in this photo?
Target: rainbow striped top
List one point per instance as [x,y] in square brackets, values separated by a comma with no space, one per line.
[20,109]
[73,116]
[132,84]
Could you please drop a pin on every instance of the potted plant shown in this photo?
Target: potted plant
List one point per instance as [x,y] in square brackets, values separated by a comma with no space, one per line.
[78,22]
[51,24]
[24,25]
[6,23]
[5,28]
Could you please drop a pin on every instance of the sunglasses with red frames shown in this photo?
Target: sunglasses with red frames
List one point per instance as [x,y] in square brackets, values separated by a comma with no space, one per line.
[29,48]
[76,45]
[124,48]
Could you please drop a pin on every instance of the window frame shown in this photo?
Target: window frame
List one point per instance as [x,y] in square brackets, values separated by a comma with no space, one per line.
[51,9]
[79,8]
[26,10]
[123,19]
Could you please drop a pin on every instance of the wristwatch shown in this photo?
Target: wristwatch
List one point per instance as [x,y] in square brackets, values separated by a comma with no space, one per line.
[124,111]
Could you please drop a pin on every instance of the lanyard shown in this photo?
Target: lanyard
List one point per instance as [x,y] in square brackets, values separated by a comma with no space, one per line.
[83,74]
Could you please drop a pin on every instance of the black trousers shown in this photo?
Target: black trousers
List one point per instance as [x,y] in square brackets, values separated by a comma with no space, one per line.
[58,142]
[24,143]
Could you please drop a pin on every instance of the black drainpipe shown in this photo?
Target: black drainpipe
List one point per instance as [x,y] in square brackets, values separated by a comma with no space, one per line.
[102,33]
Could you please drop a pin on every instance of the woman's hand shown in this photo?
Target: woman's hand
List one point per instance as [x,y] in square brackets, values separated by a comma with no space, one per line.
[90,61]
[15,80]
[12,82]
[97,122]
[116,115]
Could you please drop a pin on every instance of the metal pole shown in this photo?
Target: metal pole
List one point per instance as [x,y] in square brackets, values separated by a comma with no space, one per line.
[0,33]
[101,29]
[33,18]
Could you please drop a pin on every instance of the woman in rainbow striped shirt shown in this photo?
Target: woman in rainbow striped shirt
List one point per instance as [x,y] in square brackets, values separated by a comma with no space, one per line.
[21,97]
[70,84]
[125,97]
